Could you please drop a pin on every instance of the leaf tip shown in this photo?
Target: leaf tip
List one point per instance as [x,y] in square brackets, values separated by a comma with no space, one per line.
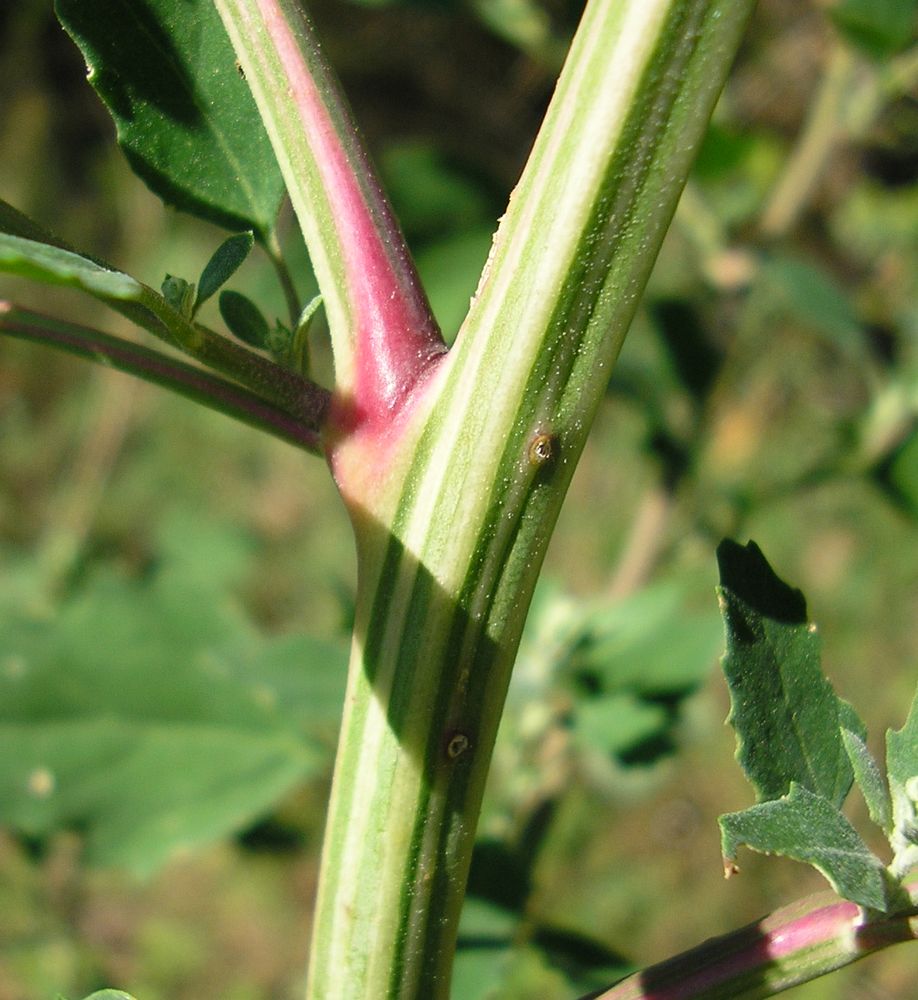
[746,573]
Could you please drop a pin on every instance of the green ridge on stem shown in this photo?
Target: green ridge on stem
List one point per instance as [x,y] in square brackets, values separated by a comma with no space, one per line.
[455,480]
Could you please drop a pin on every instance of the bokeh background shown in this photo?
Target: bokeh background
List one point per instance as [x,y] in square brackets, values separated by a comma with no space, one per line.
[768,390]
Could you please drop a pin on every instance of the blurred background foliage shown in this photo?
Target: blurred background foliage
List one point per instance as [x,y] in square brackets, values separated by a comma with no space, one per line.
[176,590]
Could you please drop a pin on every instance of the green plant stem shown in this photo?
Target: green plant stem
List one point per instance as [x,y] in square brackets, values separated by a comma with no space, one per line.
[55,264]
[455,497]
[151,366]
[383,332]
[823,130]
[793,945]
[284,278]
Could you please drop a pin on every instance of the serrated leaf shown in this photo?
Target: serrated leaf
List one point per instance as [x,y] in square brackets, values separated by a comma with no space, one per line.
[807,828]
[902,770]
[150,716]
[223,265]
[185,118]
[786,716]
[869,779]
[244,319]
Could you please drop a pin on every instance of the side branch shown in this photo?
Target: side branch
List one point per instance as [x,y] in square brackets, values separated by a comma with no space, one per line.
[793,945]
[187,380]
[384,335]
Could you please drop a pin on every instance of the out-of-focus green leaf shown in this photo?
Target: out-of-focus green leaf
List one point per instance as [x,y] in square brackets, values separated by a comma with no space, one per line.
[16,223]
[652,643]
[804,826]
[902,769]
[431,197]
[786,716]
[244,319]
[150,716]
[223,265]
[874,220]
[450,269]
[869,779]
[902,472]
[877,27]
[185,117]
[806,292]
[616,723]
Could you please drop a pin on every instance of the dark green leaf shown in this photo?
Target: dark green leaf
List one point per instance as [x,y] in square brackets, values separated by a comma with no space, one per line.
[869,779]
[901,473]
[223,265]
[878,27]
[244,319]
[807,828]
[786,716]
[185,117]
[150,716]
[16,223]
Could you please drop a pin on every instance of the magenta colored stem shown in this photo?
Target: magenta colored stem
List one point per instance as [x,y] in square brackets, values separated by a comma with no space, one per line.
[793,945]
[393,336]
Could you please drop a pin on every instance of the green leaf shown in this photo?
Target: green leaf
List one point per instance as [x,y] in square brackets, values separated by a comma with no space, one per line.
[616,723]
[814,298]
[805,827]
[878,27]
[110,995]
[151,717]
[55,266]
[244,319]
[901,473]
[185,117]
[902,769]
[786,716]
[223,265]
[869,779]
[652,643]
[179,293]
[16,223]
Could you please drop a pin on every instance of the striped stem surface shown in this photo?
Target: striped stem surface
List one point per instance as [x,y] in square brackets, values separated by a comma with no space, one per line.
[453,508]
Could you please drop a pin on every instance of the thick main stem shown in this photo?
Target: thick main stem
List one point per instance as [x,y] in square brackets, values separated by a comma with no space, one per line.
[454,502]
